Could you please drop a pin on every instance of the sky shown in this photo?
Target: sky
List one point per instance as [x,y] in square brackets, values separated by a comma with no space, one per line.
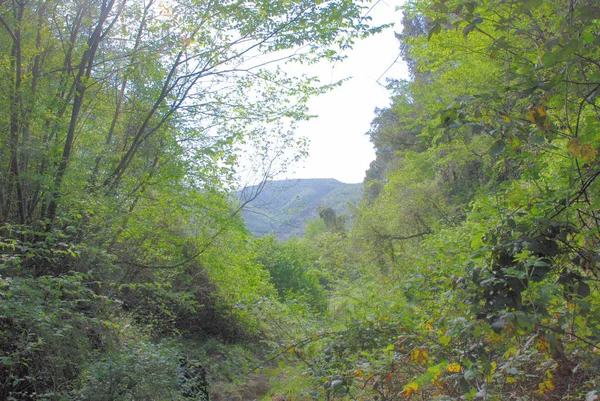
[338,146]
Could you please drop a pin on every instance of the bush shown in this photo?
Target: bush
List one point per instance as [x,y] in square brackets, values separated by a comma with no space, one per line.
[291,266]
[49,327]
[139,370]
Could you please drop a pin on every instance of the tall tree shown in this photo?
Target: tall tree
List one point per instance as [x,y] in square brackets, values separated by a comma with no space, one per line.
[106,98]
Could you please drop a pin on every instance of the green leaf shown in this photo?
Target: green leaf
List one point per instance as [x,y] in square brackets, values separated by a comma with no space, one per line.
[571,47]
[337,384]
[529,4]
[589,12]
[445,340]
[498,148]
[551,44]
[6,361]
[549,59]
[469,375]
[469,28]
[437,28]
[471,6]
[519,274]
[582,288]
[440,7]
[536,139]
[588,37]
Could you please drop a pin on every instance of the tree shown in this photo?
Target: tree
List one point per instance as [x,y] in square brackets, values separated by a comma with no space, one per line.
[121,129]
[333,222]
[105,99]
[506,184]
[292,268]
[114,77]
[486,228]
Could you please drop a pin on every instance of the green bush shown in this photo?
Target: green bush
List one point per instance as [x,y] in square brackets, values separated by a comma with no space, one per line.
[49,326]
[291,266]
[139,370]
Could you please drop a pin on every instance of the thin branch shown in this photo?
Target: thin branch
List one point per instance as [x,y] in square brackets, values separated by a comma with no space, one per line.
[207,245]
[402,238]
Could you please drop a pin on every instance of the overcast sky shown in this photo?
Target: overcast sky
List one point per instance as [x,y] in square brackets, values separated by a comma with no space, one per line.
[339,147]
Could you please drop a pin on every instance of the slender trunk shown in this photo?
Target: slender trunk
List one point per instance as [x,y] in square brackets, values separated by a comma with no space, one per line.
[136,194]
[111,182]
[121,95]
[61,101]
[15,120]
[35,77]
[84,72]
[2,196]
[145,131]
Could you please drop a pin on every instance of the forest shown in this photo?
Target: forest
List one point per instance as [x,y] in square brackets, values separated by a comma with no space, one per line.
[469,270]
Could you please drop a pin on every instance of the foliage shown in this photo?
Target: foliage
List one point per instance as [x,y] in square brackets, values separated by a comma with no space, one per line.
[123,129]
[137,370]
[292,269]
[50,325]
[468,271]
[478,231]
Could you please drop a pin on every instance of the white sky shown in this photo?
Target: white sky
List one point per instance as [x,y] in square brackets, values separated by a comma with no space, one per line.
[339,147]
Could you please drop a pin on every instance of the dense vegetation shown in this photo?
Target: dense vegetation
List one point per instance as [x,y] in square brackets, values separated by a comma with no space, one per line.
[284,207]
[469,270]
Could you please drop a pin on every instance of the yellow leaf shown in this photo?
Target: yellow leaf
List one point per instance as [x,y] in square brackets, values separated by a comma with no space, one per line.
[493,365]
[542,345]
[588,153]
[506,119]
[436,378]
[541,111]
[515,143]
[574,147]
[545,387]
[410,389]
[420,356]
[453,368]
[530,116]
[510,380]
[494,338]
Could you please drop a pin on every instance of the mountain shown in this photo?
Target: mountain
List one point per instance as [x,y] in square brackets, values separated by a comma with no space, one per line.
[283,207]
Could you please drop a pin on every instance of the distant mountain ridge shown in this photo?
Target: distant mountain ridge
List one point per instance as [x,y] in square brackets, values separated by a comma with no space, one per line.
[283,207]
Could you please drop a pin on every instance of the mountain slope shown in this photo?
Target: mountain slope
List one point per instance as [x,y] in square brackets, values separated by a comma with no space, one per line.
[284,207]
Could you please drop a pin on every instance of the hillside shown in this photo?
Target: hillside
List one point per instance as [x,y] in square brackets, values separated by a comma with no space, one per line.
[285,206]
